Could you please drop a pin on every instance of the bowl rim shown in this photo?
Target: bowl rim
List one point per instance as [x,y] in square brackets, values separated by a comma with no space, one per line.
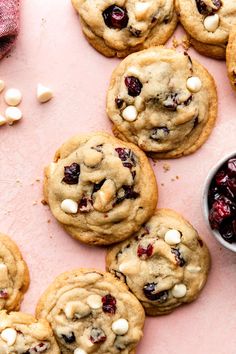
[205,208]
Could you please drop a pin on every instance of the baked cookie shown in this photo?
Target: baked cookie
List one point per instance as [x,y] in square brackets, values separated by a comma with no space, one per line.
[231,57]
[92,312]
[163,101]
[14,275]
[120,27]
[208,23]
[100,188]
[23,334]
[165,264]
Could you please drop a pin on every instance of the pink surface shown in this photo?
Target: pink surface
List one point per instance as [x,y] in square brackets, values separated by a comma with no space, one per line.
[52,50]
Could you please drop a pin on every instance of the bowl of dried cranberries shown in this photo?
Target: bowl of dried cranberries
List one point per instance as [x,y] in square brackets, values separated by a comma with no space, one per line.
[219,201]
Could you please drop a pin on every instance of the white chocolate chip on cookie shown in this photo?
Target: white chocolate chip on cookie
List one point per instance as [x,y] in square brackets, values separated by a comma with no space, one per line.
[193,269]
[79,351]
[172,237]
[194,84]
[13,114]
[9,336]
[120,327]
[141,9]
[13,97]
[69,206]
[130,114]
[44,94]
[211,23]
[179,290]
[94,301]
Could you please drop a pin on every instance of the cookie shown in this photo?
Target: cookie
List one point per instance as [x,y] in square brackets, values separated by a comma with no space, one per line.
[120,27]
[92,312]
[208,23]
[21,333]
[14,275]
[100,189]
[231,57]
[163,101]
[165,264]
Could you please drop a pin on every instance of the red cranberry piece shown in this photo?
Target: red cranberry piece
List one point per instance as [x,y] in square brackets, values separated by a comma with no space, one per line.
[203,9]
[213,195]
[119,102]
[134,86]
[221,178]
[85,205]
[145,252]
[127,157]
[159,133]
[109,304]
[97,335]
[219,212]
[231,183]
[71,173]
[129,193]
[171,102]
[179,259]
[149,291]
[232,167]
[228,231]
[4,294]
[115,17]
[40,348]
[69,338]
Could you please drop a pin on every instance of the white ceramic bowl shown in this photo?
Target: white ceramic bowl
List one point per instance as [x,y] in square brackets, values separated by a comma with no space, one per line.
[211,174]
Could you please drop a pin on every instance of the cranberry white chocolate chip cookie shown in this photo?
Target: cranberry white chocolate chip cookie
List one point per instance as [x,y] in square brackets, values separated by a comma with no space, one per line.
[14,275]
[208,22]
[163,101]
[100,188]
[231,57]
[165,265]
[92,312]
[21,333]
[119,27]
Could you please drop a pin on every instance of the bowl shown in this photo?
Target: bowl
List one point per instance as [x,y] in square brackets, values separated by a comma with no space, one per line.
[210,176]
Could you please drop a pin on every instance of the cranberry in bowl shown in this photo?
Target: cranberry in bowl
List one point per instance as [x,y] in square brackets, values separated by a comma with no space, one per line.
[219,201]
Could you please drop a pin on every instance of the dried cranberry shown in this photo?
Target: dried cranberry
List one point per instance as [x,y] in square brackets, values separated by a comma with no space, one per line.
[179,259]
[134,86]
[115,17]
[149,291]
[171,102]
[97,335]
[119,102]
[127,157]
[85,205]
[221,178]
[128,193]
[71,173]
[232,167]
[228,231]
[203,9]
[69,338]
[4,294]
[221,210]
[231,184]
[145,252]
[109,304]
[159,133]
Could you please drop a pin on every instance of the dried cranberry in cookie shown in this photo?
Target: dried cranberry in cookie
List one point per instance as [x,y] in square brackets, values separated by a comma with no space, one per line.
[169,102]
[14,275]
[22,333]
[165,264]
[117,28]
[100,189]
[89,312]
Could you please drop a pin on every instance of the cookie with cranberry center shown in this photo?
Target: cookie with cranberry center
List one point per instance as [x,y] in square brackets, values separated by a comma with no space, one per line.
[92,312]
[163,101]
[14,275]
[100,189]
[165,264]
[231,57]
[22,333]
[117,28]
[208,23]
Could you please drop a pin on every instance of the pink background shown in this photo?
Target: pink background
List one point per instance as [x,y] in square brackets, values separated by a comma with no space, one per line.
[52,50]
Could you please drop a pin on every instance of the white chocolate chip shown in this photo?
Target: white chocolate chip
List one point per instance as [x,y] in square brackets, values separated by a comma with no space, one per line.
[141,9]
[193,269]
[76,309]
[52,167]
[9,336]
[194,84]
[2,85]
[13,114]
[92,157]
[133,71]
[129,267]
[2,120]
[179,290]
[44,94]
[120,326]
[211,23]
[105,195]
[69,206]
[13,97]
[79,351]
[130,114]
[172,237]
[94,301]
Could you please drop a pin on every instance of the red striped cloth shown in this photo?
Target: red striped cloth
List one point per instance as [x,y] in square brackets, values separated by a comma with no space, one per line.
[9,24]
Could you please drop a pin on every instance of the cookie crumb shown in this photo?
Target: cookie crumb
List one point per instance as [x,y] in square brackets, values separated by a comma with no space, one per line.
[43,201]
[177,177]
[175,43]
[186,42]
[35,202]
[162,184]
[37,180]
[172,179]
[166,167]
[18,181]
[48,221]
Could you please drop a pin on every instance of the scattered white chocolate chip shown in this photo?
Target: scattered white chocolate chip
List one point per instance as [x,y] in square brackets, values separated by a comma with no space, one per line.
[193,269]
[94,301]
[9,336]
[141,9]
[130,114]
[79,351]
[69,206]
[172,237]
[2,120]
[211,23]
[44,94]
[179,290]
[13,114]
[194,84]
[120,326]
[2,85]
[13,97]
[92,157]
